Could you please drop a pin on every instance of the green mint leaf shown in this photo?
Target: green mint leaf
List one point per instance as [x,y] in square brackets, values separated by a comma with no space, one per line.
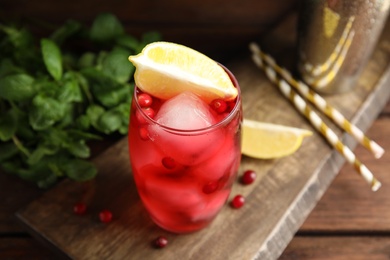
[55,137]
[52,58]
[77,134]
[67,30]
[110,121]
[128,42]
[16,87]
[24,130]
[20,38]
[93,113]
[80,170]
[78,148]
[117,65]
[123,130]
[7,150]
[45,112]
[110,98]
[86,60]
[8,125]
[105,28]
[46,86]
[82,122]
[150,37]
[41,151]
[70,90]
[47,181]
[105,89]
[7,67]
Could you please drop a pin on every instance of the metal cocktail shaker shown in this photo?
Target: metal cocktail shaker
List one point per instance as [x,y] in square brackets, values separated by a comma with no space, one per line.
[336,39]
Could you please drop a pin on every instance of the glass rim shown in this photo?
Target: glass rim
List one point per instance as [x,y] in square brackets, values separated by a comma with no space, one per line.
[223,122]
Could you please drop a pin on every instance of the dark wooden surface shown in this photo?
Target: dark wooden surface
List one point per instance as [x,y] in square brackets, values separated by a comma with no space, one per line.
[349,222]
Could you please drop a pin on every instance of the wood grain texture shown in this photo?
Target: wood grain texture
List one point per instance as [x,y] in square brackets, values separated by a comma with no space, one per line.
[338,248]
[10,204]
[283,195]
[334,215]
[24,248]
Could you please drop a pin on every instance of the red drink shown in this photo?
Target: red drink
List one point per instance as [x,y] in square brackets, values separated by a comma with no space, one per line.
[184,171]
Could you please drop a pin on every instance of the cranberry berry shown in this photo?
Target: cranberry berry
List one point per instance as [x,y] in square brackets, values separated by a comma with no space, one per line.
[145,100]
[169,162]
[248,177]
[144,133]
[80,208]
[105,216]
[219,105]
[238,201]
[149,112]
[161,242]
[210,187]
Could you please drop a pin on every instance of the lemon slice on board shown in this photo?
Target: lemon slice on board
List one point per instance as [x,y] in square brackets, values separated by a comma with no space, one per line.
[165,69]
[267,141]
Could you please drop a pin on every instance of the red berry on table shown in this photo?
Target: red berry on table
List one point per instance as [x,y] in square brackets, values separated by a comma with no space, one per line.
[161,242]
[238,201]
[145,100]
[105,216]
[80,208]
[248,177]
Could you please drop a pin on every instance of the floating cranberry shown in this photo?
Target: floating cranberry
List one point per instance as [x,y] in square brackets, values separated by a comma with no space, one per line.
[149,112]
[105,216]
[238,201]
[160,242]
[144,133]
[169,162]
[248,177]
[210,187]
[145,100]
[80,208]
[230,106]
[219,105]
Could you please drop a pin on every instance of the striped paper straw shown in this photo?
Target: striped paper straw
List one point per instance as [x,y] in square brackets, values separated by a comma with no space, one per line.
[321,104]
[317,122]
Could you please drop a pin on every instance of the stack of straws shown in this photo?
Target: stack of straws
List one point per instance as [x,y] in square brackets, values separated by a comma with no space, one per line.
[288,86]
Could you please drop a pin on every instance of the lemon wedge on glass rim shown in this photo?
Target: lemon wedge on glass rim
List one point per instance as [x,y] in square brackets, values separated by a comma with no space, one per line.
[268,141]
[165,69]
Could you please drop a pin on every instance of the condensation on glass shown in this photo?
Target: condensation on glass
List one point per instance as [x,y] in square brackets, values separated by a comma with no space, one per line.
[336,39]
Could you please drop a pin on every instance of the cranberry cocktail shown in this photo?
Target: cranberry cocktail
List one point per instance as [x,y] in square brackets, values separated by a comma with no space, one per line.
[185,153]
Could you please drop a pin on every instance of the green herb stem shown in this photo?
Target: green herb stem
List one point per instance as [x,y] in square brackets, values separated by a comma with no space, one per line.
[20,146]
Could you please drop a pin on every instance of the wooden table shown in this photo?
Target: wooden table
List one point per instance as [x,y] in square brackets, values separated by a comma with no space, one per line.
[349,222]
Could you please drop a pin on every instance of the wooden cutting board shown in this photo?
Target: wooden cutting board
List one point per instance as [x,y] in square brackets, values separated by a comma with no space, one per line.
[283,195]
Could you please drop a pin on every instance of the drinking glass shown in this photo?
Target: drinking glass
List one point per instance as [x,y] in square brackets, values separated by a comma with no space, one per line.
[184,177]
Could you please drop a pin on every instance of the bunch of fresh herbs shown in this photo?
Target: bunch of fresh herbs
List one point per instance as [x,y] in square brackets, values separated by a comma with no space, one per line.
[54,97]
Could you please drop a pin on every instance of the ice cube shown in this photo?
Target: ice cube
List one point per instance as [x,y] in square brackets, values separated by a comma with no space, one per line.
[174,194]
[223,163]
[209,209]
[186,111]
